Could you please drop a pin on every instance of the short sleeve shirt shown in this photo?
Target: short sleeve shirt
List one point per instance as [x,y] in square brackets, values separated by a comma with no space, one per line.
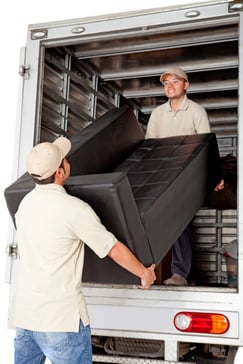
[52,230]
[190,118]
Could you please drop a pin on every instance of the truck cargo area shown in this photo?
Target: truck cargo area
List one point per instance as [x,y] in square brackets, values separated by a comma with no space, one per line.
[84,78]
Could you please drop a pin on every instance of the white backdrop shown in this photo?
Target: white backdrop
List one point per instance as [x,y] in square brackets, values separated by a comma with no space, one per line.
[15,17]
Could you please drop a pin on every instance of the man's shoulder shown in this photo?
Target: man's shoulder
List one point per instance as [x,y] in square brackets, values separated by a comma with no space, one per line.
[194,104]
[161,108]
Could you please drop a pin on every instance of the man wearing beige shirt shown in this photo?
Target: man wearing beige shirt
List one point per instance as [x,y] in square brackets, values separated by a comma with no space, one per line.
[178,116]
[53,228]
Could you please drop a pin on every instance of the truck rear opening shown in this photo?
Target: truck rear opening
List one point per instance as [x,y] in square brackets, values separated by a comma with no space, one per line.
[96,70]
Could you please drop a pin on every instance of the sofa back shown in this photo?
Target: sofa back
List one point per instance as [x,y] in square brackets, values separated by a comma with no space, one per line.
[105,143]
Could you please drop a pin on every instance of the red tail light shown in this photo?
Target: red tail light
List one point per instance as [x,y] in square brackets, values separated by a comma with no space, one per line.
[198,322]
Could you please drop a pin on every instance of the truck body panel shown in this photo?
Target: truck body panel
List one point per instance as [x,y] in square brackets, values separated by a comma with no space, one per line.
[74,71]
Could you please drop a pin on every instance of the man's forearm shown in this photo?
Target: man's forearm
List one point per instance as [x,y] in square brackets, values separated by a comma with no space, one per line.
[126,259]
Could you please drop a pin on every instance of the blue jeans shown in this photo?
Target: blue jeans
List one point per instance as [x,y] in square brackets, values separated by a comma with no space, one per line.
[32,347]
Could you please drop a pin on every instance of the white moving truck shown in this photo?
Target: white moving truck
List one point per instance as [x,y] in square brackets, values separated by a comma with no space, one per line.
[72,73]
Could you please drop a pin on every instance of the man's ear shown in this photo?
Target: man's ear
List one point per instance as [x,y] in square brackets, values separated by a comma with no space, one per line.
[186,85]
[59,174]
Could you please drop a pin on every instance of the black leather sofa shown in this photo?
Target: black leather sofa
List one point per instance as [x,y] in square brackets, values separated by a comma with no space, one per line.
[145,191]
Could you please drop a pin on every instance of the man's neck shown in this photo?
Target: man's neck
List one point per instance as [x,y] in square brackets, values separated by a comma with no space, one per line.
[176,103]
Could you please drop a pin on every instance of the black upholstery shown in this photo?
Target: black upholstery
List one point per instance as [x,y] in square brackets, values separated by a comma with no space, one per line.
[146,198]
[105,143]
[170,179]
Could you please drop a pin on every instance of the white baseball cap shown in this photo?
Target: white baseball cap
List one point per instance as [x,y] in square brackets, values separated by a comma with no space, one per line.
[177,71]
[46,157]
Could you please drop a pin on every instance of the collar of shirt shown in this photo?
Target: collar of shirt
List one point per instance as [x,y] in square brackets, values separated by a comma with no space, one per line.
[50,187]
[184,105]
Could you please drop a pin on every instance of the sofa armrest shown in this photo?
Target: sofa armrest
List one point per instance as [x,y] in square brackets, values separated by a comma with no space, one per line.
[111,197]
[15,193]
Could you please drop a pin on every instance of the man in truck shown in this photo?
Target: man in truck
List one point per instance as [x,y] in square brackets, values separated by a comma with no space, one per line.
[178,116]
[51,316]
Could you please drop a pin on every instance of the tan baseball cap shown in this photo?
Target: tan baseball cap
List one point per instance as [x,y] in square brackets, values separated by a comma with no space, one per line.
[177,71]
[46,157]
